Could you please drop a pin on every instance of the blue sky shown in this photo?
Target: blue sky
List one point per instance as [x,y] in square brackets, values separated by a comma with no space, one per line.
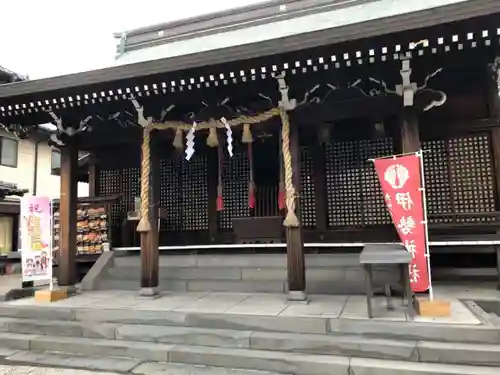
[44,38]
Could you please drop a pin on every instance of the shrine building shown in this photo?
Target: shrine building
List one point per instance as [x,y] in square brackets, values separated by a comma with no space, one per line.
[231,152]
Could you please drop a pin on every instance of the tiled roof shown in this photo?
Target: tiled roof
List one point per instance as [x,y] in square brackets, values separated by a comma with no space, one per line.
[263,22]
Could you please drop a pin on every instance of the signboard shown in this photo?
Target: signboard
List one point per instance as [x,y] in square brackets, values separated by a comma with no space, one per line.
[36,238]
[401,181]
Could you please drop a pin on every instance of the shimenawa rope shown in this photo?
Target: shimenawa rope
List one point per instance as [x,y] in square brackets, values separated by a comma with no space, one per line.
[291,219]
[144,224]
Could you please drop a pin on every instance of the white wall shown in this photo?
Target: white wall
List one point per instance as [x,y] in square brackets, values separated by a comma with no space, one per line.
[47,184]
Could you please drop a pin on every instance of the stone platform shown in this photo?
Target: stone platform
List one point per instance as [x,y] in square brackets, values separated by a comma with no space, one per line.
[272,305]
[121,331]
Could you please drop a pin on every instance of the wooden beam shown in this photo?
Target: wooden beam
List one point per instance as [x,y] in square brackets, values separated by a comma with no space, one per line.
[410,136]
[335,110]
[150,255]
[67,274]
[294,236]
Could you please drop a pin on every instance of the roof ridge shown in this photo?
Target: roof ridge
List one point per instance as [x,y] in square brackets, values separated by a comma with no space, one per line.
[231,19]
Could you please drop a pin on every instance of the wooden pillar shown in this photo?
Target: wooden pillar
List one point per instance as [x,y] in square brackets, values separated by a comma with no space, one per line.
[213,225]
[294,238]
[493,100]
[495,142]
[94,177]
[410,136]
[150,255]
[67,274]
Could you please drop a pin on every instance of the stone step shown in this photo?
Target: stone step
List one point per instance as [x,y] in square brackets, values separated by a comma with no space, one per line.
[333,286]
[247,274]
[357,346]
[75,361]
[59,328]
[165,368]
[274,361]
[284,342]
[241,260]
[199,285]
[102,317]
[115,364]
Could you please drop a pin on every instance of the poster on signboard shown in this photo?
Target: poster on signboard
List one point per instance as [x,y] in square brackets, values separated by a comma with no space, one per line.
[36,238]
[401,181]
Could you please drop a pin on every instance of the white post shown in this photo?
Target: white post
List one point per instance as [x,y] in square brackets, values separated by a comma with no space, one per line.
[51,246]
[420,155]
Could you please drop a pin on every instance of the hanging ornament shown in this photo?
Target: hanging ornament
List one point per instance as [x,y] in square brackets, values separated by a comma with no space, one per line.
[177,143]
[229,136]
[247,134]
[190,142]
[247,138]
[220,200]
[212,139]
[251,184]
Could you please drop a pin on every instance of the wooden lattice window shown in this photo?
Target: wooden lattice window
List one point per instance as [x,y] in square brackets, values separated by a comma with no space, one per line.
[131,188]
[235,176]
[437,180]
[471,174]
[354,197]
[194,193]
[307,195]
[184,193]
[170,196]
[343,184]
[111,184]
[124,181]
[373,208]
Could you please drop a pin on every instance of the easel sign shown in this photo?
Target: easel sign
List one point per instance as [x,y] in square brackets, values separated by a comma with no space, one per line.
[36,239]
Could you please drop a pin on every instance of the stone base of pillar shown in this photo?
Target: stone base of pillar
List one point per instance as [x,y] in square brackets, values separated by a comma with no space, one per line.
[150,292]
[298,297]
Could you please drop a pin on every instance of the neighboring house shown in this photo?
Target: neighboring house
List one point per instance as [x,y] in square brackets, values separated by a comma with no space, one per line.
[8,76]
[32,165]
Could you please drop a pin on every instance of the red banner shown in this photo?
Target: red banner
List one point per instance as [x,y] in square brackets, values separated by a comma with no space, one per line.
[401,183]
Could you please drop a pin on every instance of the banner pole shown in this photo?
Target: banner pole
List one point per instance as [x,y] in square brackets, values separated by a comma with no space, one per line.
[420,155]
[397,155]
[51,242]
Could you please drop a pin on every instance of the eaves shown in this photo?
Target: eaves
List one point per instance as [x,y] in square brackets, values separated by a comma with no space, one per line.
[414,20]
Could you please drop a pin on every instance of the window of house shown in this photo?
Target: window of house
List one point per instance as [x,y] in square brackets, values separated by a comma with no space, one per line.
[8,152]
[55,163]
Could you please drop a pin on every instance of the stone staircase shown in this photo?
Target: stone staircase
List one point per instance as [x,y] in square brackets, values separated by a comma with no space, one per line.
[244,273]
[149,341]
